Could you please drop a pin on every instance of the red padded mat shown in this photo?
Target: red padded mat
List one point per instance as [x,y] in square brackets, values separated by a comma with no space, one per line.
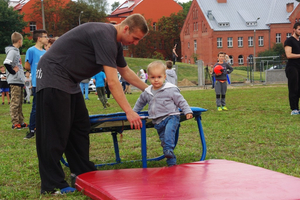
[210,179]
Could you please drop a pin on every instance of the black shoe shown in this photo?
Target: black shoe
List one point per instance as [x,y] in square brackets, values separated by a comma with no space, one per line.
[24,125]
[29,135]
[169,154]
[73,180]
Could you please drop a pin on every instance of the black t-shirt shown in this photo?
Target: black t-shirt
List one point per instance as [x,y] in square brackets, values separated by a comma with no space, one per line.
[3,81]
[79,54]
[295,44]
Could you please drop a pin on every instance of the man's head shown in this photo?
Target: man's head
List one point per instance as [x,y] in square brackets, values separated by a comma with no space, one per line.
[297,29]
[41,36]
[17,39]
[221,56]
[156,74]
[169,64]
[133,29]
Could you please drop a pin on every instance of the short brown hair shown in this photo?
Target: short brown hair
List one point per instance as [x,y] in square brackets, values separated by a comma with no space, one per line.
[169,64]
[156,64]
[15,37]
[136,21]
[38,33]
[221,52]
[51,40]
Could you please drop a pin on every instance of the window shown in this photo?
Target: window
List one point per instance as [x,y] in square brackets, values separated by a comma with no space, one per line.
[250,41]
[241,59]
[240,42]
[260,40]
[230,42]
[154,26]
[288,35]
[195,45]
[231,59]
[188,45]
[196,26]
[219,42]
[32,26]
[278,38]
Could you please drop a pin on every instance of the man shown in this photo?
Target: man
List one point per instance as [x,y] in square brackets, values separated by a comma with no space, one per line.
[32,58]
[292,70]
[62,118]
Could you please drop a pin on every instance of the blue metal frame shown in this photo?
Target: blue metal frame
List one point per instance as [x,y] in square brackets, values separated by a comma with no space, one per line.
[99,119]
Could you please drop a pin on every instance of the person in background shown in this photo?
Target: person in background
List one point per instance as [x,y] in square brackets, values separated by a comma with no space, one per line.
[33,55]
[16,80]
[146,76]
[4,87]
[28,87]
[142,75]
[99,81]
[84,85]
[174,54]
[171,74]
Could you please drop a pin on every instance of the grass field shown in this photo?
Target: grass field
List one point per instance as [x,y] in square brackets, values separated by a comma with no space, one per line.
[258,130]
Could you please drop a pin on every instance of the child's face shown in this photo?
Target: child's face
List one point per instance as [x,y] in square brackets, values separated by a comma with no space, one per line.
[157,77]
[47,47]
[2,69]
[27,74]
[221,57]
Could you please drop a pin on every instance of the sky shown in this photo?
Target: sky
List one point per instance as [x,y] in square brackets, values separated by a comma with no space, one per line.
[110,2]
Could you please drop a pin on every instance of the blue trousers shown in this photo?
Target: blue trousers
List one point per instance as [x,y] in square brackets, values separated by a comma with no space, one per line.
[85,89]
[166,131]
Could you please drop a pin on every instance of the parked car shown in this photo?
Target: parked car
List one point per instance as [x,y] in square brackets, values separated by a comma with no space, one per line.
[277,67]
[92,87]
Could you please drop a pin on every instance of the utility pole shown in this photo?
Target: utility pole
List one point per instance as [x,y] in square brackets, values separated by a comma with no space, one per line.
[43,15]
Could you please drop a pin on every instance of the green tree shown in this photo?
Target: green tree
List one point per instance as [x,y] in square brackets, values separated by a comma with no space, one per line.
[100,5]
[114,5]
[186,6]
[170,28]
[276,50]
[10,21]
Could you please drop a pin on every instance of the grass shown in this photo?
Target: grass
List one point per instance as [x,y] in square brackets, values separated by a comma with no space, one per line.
[258,130]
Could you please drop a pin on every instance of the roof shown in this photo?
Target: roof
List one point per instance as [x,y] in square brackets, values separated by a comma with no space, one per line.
[20,4]
[126,7]
[245,14]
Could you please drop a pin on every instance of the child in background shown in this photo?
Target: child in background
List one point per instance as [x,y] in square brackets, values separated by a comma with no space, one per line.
[164,99]
[16,80]
[171,74]
[28,87]
[4,87]
[99,80]
[220,71]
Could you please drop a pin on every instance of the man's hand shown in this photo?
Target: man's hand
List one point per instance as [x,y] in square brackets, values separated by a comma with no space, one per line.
[189,116]
[134,119]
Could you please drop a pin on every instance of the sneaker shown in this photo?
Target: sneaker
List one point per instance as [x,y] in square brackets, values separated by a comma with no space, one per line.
[295,112]
[16,126]
[219,108]
[65,190]
[24,125]
[24,101]
[29,135]
[2,103]
[73,179]
[28,102]
[224,108]
[168,154]
[107,104]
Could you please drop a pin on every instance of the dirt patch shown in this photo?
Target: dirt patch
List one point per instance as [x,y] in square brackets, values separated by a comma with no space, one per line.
[185,82]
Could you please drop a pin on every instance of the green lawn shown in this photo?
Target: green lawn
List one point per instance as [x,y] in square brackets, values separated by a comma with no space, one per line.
[258,130]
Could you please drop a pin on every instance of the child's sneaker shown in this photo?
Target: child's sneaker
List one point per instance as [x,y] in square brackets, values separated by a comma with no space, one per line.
[224,108]
[168,154]
[24,125]
[295,112]
[219,108]
[107,104]
[16,126]
[29,135]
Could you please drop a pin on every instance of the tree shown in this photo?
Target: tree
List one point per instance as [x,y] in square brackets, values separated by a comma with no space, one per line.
[276,50]
[10,21]
[186,6]
[114,5]
[100,5]
[60,18]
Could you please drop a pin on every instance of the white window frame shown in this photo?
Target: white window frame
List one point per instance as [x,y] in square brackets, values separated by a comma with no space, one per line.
[260,41]
[32,26]
[278,38]
[250,41]
[230,42]
[219,42]
[240,42]
[241,60]
[195,45]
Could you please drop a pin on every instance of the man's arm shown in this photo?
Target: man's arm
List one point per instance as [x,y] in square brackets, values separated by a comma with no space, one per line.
[132,78]
[118,94]
[289,54]
[11,70]
[27,66]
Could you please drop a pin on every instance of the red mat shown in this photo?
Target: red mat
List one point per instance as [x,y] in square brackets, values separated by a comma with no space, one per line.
[211,179]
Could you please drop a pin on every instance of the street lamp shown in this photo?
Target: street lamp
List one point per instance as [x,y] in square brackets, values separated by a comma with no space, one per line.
[80,16]
[254,64]
[43,15]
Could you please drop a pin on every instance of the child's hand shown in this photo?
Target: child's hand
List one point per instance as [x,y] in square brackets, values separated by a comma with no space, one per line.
[189,116]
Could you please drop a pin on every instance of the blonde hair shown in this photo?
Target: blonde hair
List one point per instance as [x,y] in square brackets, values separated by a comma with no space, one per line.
[136,21]
[15,37]
[156,64]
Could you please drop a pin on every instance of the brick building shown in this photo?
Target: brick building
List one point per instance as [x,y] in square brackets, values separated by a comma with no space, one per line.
[241,28]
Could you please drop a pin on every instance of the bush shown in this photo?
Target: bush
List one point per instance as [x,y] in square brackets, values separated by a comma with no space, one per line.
[27,43]
[158,56]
